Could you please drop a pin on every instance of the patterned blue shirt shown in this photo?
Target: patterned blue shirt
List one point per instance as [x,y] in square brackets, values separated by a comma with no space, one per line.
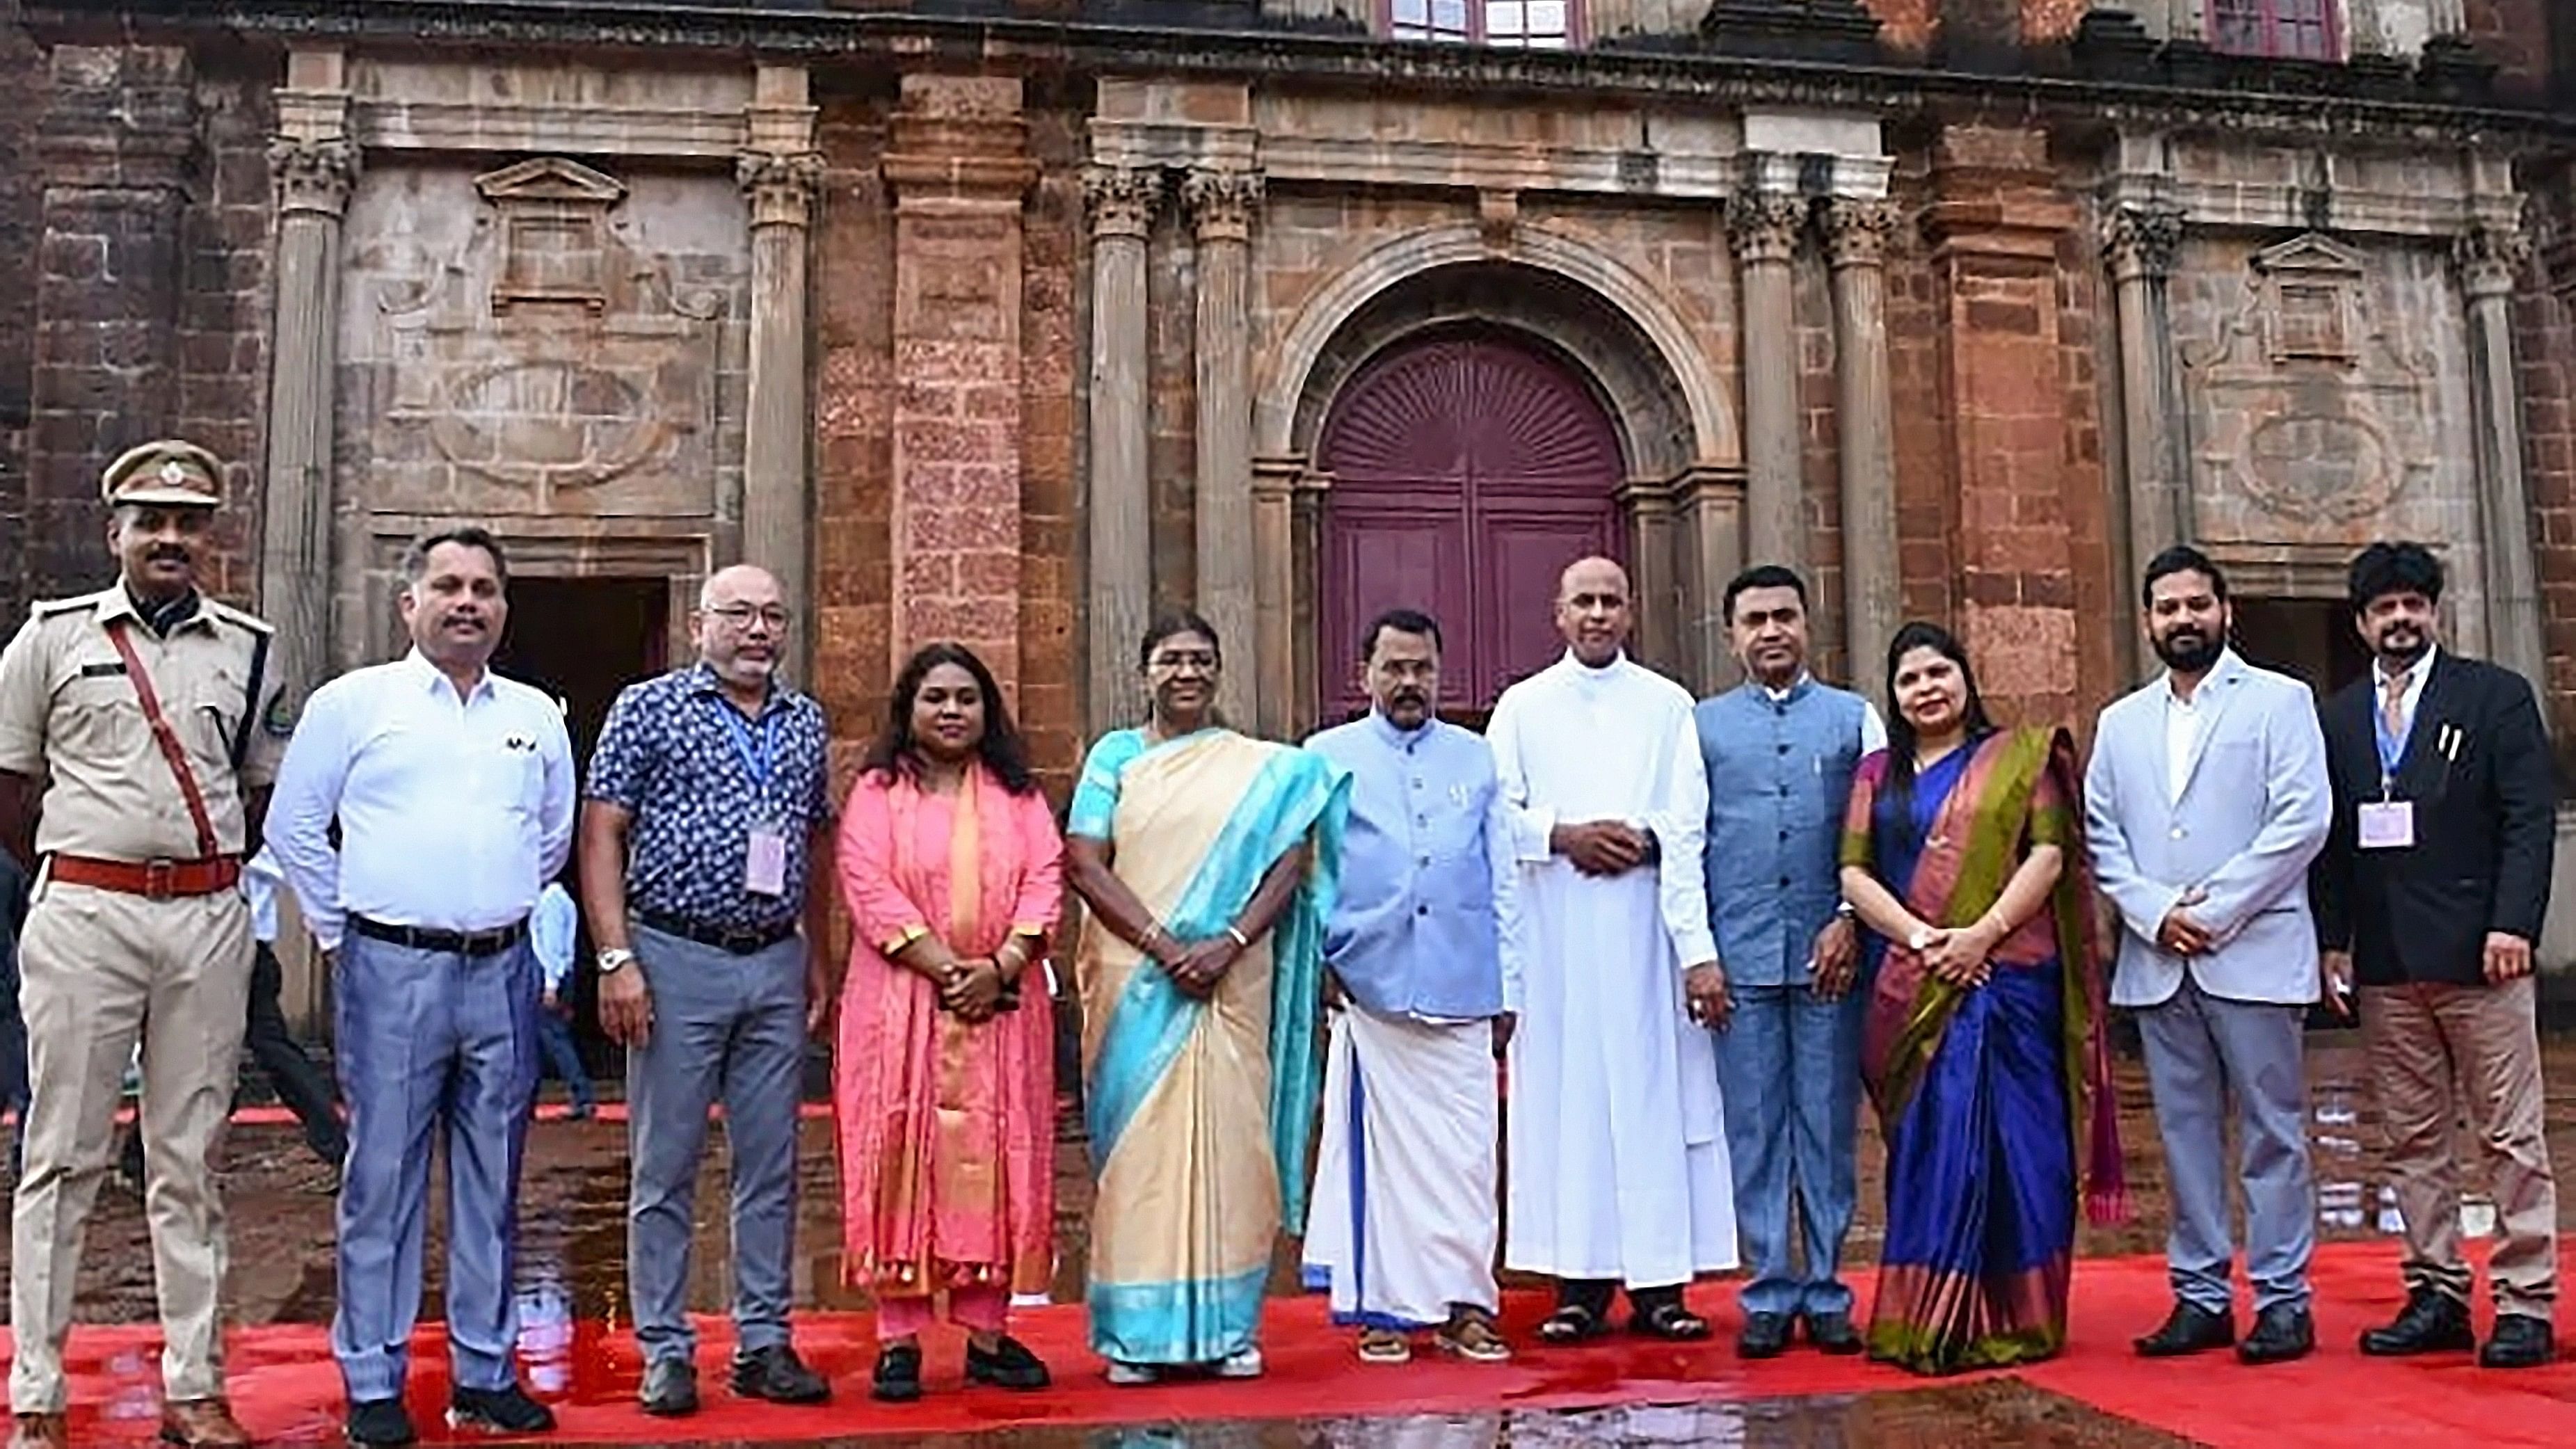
[681,760]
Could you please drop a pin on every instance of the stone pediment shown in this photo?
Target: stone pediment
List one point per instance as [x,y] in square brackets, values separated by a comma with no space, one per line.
[550,178]
[2312,253]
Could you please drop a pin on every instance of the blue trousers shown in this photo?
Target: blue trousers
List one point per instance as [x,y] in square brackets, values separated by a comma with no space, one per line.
[429,1041]
[563,1057]
[727,1029]
[1789,1064]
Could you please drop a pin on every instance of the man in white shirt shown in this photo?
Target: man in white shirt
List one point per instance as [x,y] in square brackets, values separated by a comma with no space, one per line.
[453,791]
[1616,1123]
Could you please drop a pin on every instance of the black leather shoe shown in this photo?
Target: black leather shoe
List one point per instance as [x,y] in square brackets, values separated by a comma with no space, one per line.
[1009,1366]
[2281,1333]
[898,1377]
[670,1388]
[2431,1322]
[2520,1340]
[509,1411]
[2189,1329]
[1833,1333]
[380,1424]
[1766,1335]
[775,1373]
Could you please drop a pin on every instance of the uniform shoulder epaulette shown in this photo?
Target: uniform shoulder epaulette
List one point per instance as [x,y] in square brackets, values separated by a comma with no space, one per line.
[49,608]
[230,615]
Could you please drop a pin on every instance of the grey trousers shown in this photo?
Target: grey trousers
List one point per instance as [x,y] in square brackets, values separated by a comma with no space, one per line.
[2201,1051]
[727,1029]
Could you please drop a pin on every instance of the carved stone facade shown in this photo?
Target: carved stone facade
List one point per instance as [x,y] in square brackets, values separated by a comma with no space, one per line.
[1023,355]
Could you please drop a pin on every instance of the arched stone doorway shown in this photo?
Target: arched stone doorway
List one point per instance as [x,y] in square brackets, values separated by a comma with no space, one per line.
[1468,467]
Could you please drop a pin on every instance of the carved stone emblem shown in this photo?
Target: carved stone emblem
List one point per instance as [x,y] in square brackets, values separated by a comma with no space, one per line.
[551,354]
[2306,405]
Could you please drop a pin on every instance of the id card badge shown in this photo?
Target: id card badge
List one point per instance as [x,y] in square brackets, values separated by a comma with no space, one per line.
[2387,825]
[764,865]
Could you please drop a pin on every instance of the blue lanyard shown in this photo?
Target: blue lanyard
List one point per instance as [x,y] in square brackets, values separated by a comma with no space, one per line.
[758,751]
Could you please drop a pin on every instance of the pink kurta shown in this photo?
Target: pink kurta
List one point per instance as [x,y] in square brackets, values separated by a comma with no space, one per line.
[947,1129]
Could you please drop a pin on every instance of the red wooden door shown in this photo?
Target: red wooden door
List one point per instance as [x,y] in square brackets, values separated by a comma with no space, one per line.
[1467,473]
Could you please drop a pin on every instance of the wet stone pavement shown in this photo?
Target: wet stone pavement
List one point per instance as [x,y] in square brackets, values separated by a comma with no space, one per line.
[572,1257]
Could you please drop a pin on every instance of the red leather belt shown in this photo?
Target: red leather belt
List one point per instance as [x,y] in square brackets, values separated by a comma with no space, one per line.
[158,879]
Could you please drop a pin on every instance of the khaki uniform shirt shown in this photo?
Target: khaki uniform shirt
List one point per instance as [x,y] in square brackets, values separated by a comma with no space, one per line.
[69,713]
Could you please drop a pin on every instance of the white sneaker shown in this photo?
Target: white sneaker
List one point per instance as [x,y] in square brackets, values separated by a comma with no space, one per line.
[1243,1363]
[1131,1375]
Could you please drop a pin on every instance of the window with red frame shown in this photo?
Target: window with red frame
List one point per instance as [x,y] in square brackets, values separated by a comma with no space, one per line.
[1513,24]
[2280,29]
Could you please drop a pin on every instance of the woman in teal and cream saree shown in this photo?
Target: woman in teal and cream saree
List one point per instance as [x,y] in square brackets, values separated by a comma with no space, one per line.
[1207,859]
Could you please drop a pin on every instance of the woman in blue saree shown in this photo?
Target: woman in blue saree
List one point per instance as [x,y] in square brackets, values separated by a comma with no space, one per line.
[1982,1043]
[1207,859]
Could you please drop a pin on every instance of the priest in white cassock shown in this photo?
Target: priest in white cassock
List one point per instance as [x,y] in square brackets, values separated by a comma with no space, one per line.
[1405,1217]
[1616,1132]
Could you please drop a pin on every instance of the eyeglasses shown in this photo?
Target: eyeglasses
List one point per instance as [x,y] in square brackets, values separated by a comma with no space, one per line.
[1202,660]
[741,615]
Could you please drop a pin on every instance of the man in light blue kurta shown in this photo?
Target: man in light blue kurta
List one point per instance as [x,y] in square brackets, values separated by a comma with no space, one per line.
[1405,1213]
[1780,751]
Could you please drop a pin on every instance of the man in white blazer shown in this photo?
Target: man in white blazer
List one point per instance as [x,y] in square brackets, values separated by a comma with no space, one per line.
[2206,800]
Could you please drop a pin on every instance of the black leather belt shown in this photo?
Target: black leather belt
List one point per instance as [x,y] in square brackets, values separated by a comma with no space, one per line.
[739,940]
[457,943]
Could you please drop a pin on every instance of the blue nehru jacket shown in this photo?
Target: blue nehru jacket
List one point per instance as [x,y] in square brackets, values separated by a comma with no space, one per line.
[1779,773]
[1413,932]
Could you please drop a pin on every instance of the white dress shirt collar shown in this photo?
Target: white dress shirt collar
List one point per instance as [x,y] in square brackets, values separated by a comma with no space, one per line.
[2417,673]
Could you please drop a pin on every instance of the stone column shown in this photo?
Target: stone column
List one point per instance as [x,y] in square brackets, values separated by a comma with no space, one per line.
[958,164]
[2489,258]
[1221,202]
[1765,227]
[1647,507]
[781,174]
[1856,234]
[118,130]
[1274,588]
[2140,243]
[1121,507]
[1708,550]
[315,167]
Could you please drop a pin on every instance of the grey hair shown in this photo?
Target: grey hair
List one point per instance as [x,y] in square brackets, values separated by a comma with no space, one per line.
[415,561]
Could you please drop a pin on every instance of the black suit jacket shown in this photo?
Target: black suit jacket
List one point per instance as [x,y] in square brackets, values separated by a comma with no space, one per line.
[2485,827]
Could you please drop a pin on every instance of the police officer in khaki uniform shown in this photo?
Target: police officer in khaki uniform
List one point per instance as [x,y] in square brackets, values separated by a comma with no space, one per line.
[138,708]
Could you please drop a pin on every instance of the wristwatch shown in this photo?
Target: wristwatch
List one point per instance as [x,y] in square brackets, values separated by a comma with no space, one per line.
[614,960]
[1921,939]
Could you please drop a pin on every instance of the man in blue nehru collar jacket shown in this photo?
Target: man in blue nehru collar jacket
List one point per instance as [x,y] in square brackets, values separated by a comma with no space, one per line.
[1780,750]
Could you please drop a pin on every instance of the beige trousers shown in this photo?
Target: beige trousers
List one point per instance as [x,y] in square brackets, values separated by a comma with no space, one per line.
[2432,1049]
[98,969]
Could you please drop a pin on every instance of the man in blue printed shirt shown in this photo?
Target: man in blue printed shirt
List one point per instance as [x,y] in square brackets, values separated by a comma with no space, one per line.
[708,816]
[1405,1216]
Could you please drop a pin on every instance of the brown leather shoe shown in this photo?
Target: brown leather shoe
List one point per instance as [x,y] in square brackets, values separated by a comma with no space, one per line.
[41,1431]
[203,1422]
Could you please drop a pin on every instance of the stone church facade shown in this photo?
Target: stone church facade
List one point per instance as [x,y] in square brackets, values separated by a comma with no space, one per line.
[1016,321]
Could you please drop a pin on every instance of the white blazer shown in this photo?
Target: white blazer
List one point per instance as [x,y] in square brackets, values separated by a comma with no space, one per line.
[2253,812]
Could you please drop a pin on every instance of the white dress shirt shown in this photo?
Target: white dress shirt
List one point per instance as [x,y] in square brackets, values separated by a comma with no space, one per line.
[2182,736]
[551,934]
[1873,727]
[2413,695]
[261,876]
[453,813]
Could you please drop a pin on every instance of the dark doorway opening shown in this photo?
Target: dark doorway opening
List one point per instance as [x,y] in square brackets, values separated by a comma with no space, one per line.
[2309,639]
[581,641]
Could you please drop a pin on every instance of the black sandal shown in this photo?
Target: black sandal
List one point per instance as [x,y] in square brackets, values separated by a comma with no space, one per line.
[1671,1322]
[1572,1323]
[898,1378]
[1009,1366]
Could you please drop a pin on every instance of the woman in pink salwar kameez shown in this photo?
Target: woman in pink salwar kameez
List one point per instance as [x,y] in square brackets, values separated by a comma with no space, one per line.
[950,862]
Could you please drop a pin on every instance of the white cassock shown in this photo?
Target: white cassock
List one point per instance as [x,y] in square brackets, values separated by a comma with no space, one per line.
[1618,1163]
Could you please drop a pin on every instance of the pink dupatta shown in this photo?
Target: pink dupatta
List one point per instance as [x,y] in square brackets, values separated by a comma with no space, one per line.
[946,1128]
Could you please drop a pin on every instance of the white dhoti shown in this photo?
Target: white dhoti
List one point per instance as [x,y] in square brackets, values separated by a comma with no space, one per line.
[1405,1214]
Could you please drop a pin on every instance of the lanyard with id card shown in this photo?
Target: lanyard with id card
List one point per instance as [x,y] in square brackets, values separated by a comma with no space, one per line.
[2386,823]
[764,860]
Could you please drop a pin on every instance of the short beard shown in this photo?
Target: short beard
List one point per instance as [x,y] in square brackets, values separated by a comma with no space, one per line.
[2405,659]
[2192,659]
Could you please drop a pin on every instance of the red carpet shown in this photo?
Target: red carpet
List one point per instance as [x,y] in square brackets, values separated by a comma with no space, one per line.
[286,1390]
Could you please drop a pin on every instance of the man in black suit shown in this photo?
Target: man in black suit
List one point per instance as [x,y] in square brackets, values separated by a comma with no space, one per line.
[2433,884]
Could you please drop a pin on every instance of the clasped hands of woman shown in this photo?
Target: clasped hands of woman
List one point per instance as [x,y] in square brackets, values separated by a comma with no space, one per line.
[1959,955]
[1196,967]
